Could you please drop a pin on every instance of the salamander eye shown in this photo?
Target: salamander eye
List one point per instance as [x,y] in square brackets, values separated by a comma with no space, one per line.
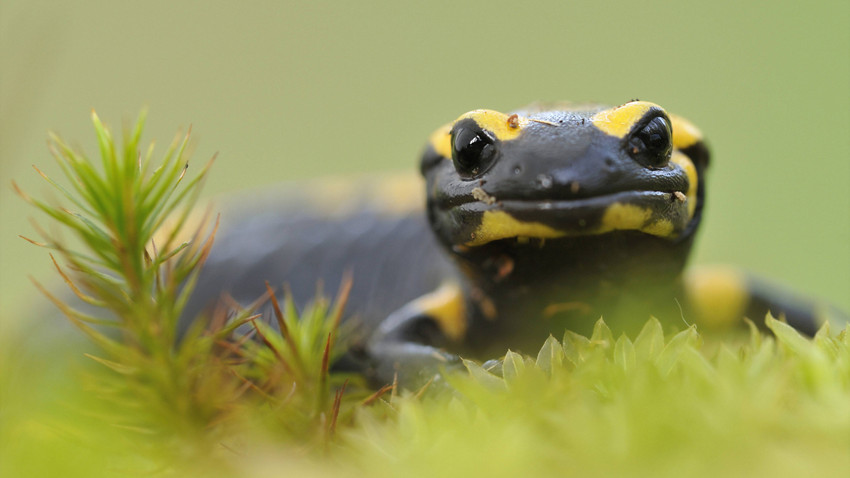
[473,149]
[651,144]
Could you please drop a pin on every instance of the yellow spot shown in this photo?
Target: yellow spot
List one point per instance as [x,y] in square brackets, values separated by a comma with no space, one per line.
[619,216]
[624,216]
[620,120]
[504,127]
[501,225]
[685,134]
[717,295]
[661,228]
[441,141]
[684,162]
[447,307]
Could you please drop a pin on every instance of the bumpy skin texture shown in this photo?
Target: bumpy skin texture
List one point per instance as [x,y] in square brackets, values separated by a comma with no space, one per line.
[537,221]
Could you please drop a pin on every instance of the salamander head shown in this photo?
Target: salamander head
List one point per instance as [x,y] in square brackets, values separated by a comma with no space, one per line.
[552,176]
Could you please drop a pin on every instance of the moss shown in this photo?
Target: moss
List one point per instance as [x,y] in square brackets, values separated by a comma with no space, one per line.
[215,404]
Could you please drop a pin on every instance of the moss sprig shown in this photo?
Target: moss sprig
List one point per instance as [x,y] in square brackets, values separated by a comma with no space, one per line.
[133,272]
[176,382]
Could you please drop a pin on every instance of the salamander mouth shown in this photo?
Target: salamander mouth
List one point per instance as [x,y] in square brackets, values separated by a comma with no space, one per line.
[568,204]
[658,213]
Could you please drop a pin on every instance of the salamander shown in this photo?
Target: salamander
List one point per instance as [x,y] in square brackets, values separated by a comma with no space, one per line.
[535,221]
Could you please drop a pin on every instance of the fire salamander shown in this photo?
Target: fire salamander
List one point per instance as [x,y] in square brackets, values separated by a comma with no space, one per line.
[540,220]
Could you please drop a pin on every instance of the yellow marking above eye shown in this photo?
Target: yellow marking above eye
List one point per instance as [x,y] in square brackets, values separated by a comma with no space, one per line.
[685,134]
[504,127]
[441,140]
[620,120]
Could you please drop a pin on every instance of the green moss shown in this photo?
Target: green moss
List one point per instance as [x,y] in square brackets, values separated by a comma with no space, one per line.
[681,404]
[660,406]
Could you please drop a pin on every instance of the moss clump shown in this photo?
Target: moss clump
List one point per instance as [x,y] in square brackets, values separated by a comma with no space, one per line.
[655,406]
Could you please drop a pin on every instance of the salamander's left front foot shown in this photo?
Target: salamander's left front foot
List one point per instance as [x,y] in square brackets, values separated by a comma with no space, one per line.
[410,342]
[412,364]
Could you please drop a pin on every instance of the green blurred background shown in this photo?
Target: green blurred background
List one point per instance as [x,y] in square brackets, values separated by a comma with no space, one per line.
[286,90]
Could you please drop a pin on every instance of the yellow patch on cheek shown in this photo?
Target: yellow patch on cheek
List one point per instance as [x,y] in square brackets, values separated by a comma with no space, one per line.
[629,217]
[624,216]
[684,162]
[501,225]
[661,228]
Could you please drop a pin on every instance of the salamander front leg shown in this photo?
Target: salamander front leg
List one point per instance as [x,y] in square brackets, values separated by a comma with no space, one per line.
[411,341]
